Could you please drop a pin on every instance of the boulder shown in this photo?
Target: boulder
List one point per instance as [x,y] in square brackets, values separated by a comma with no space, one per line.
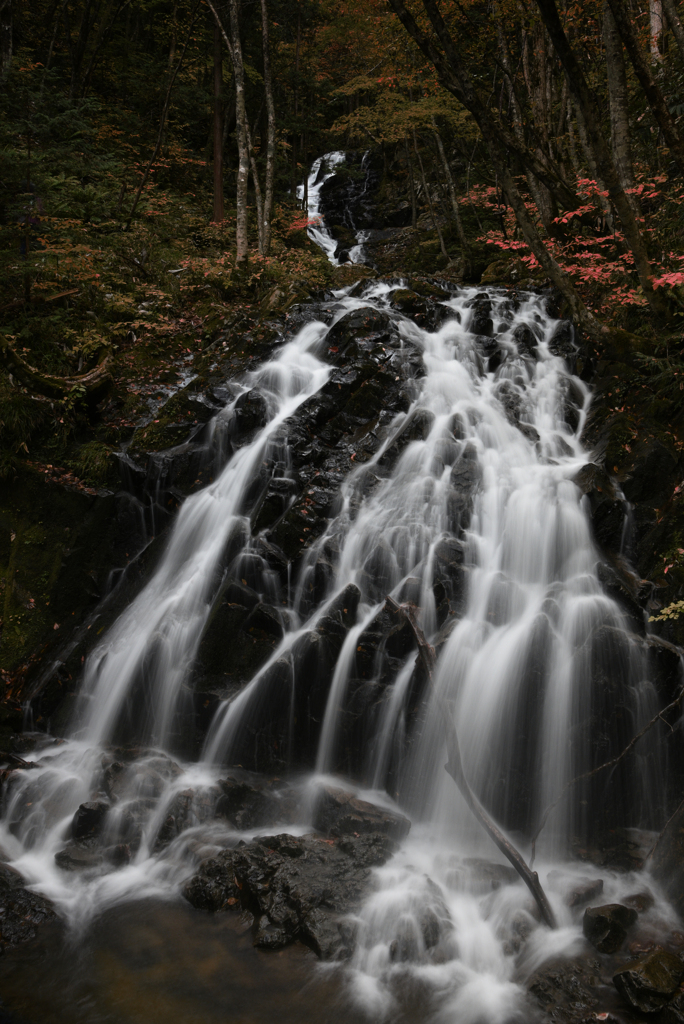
[651,982]
[583,892]
[339,813]
[89,819]
[297,887]
[667,862]
[606,927]
[21,914]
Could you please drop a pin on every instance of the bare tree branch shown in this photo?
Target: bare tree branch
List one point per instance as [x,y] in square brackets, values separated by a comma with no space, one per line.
[454,767]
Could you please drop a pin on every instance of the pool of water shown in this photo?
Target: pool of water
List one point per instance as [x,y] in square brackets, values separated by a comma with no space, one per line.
[156,962]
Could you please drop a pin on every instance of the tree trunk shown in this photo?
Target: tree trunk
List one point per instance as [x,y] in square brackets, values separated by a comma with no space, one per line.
[452,191]
[655,98]
[218,127]
[257,193]
[270,135]
[604,160]
[655,14]
[6,37]
[675,24]
[429,200]
[618,96]
[235,51]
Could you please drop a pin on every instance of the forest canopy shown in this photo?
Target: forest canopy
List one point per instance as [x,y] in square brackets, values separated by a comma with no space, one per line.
[154,159]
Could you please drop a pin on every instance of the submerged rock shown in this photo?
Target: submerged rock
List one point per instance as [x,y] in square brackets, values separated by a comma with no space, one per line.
[586,890]
[606,927]
[648,984]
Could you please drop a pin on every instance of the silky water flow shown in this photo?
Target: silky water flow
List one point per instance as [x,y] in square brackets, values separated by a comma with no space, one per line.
[529,658]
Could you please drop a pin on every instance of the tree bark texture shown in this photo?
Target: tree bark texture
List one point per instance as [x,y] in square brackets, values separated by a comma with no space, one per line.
[452,191]
[270,134]
[241,232]
[674,21]
[218,127]
[656,100]
[235,50]
[617,96]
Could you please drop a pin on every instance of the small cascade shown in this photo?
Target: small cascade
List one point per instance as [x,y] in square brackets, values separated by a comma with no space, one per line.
[323,168]
[467,510]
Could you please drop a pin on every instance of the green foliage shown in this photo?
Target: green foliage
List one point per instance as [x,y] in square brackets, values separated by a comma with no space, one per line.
[672,611]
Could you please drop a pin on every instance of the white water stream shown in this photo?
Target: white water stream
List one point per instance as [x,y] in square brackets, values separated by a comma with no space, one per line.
[478,488]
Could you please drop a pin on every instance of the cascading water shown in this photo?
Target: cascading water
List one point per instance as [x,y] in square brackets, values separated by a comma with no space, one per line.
[467,509]
[323,168]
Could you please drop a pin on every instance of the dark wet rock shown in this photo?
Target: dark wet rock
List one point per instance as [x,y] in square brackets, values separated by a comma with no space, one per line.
[568,990]
[251,412]
[75,857]
[667,861]
[563,341]
[640,901]
[10,878]
[265,618]
[89,819]
[338,813]
[146,778]
[486,876]
[606,927]
[525,339]
[187,808]
[21,915]
[583,892]
[296,887]
[214,887]
[254,802]
[651,982]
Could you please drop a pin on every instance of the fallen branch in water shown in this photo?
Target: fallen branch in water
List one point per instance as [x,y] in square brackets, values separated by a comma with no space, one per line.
[454,767]
[594,771]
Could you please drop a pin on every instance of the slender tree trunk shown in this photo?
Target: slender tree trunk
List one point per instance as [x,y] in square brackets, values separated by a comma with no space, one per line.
[257,193]
[452,191]
[655,13]
[617,97]
[235,51]
[675,24]
[429,200]
[242,132]
[174,35]
[218,127]
[604,159]
[412,188]
[87,23]
[655,98]
[6,37]
[270,135]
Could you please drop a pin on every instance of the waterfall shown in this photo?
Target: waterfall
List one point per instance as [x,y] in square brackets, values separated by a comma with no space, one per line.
[468,510]
[323,168]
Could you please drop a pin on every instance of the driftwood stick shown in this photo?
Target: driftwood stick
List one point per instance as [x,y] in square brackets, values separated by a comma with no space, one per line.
[454,767]
[606,764]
